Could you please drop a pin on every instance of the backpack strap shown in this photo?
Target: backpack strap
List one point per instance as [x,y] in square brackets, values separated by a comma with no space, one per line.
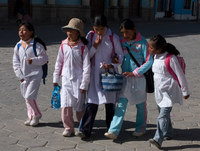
[111,39]
[169,69]
[61,46]
[82,50]
[92,35]
[34,47]
[91,38]
[18,46]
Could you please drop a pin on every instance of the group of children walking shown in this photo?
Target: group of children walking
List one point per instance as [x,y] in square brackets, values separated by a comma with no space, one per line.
[80,62]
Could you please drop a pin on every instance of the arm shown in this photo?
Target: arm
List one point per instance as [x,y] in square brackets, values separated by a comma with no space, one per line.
[42,57]
[91,48]
[16,64]
[147,64]
[86,70]
[174,64]
[117,61]
[58,66]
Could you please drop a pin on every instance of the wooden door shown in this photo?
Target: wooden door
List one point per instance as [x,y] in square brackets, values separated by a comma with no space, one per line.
[134,8]
[97,7]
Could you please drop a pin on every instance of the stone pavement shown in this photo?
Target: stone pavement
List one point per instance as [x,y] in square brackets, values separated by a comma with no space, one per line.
[14,136]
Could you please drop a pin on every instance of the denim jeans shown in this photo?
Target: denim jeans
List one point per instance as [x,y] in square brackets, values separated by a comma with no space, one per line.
[164,125]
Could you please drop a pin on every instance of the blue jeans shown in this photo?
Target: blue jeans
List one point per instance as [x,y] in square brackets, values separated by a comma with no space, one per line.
[117,120]
[164,125]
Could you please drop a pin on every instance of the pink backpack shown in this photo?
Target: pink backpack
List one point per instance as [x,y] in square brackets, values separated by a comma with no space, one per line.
[181,62]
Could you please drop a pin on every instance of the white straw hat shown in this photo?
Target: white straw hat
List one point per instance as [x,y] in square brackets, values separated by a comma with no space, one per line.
[76,24]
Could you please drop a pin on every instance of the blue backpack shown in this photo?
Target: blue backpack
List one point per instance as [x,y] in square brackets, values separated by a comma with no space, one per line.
[55,100]
[44,67]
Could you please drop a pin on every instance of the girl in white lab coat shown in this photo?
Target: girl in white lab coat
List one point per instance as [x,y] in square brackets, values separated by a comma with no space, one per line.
[28,68]
[167,89]
[101,43]
[73,66]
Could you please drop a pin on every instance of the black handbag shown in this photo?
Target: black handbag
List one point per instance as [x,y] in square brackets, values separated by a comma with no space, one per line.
[148,75]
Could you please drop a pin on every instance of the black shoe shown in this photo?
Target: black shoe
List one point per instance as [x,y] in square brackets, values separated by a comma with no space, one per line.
[152,141]
[167,138]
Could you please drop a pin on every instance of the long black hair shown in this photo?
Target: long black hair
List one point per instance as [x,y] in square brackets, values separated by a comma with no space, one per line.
[31,28]
[84,40]
[160,42]
[127,24]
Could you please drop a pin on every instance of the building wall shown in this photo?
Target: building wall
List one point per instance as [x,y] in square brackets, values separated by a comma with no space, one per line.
[63,10]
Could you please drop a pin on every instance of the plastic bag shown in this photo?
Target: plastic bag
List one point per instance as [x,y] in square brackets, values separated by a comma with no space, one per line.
[55,100]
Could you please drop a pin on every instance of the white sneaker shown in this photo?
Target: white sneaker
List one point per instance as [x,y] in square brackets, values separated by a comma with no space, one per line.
[27,122]
[67,134]
[138,134]
[35,120]
[110,135]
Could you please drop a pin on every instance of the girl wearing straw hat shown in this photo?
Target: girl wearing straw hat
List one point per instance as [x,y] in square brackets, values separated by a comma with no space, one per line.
[73,66]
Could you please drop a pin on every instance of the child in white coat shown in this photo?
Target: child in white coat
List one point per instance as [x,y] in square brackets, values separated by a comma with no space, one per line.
[28,68]
[167,89]
[73,66]
[102,43]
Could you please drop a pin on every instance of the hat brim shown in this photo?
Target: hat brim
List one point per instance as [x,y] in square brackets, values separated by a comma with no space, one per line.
[64,29]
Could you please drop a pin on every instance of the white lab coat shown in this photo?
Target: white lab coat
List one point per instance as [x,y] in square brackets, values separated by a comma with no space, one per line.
[31,73]
[102,54]
[167,91]
[74,68]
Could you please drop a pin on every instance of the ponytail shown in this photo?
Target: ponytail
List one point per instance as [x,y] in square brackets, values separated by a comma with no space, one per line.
[171,49]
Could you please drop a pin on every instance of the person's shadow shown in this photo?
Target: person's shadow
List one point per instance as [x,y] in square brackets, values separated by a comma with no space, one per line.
[125,134]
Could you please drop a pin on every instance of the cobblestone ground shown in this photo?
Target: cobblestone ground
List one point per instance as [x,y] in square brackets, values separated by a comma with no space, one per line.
[14,136]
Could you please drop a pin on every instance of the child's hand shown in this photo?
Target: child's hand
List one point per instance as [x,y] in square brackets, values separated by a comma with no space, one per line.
[83,91]
[186,97]
[128,74]
[29,61]
[97,41]
[115,59]
[22,80]
[55,84]
[106,66]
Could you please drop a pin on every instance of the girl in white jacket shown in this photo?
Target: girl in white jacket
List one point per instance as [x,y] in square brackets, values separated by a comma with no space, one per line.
[167,89]
[102,42]
[28,68]
[73,66]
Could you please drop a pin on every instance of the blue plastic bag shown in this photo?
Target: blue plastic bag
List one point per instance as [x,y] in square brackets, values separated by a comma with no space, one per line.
[55,100]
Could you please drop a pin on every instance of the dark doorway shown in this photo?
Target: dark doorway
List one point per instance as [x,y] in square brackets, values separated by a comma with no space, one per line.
[134,8]
[97,7]
[11,8]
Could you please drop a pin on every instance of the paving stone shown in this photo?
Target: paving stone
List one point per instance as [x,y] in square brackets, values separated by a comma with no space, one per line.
[62,145]
[5,133]
[42,149]
[4,141]
[91,147]
[24,135]
[32,143]
[12,148]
